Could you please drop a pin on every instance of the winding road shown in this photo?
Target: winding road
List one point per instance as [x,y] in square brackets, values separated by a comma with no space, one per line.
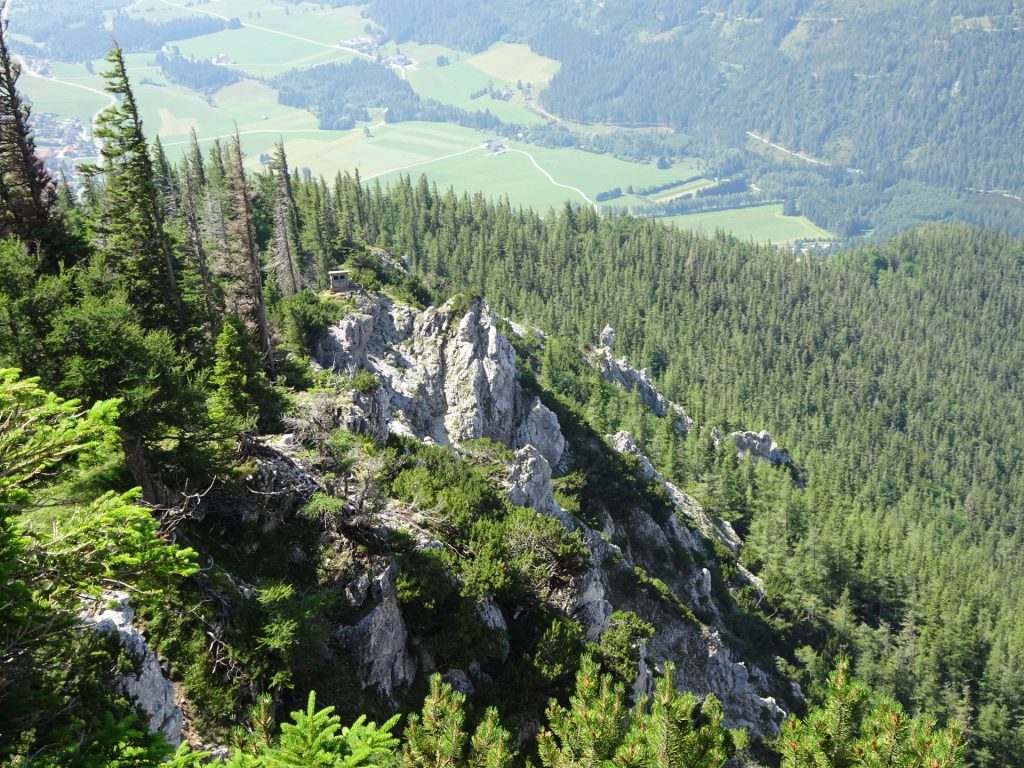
[551,178]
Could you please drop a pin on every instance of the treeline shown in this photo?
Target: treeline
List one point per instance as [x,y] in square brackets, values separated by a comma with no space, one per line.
[340,94]
[73,31]
[141,35]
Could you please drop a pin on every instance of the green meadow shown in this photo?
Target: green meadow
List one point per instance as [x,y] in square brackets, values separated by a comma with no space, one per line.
[277,37]
[759,222]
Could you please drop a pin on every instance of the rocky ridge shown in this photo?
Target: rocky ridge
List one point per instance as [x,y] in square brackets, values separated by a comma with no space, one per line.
[621,373]
[447,375]
[444,376]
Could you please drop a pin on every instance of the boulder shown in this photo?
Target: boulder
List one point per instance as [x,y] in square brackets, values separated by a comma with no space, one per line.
[149,688]
[529,482]
[540,428]
[379,642]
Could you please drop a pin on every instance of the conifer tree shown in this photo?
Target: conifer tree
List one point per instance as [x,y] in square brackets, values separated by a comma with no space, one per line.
[436,737]
[850,728]
[166,183]
[27,191]
[195,162]
[286,260]
[679,730]
[134,238]
[232,404]
[194,236]
[491,745]
[249,270]
[312,740]
[590,730]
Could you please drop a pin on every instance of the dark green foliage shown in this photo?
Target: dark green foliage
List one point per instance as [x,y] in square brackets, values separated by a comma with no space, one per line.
[133,238]
[339,94]
[619,648]
[241,393]
[305,316]
[199,75]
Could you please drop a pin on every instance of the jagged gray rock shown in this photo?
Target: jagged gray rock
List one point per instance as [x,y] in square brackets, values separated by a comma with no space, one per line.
[706,665]
[343,347]
[459,681]
[444,376]
[540,428]
[622,374]
[529,481]
[760,446]
[153,692]
[607,337]
[718,530]
[379,642]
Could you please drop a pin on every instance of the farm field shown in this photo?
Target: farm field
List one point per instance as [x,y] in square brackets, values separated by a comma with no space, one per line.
[674,193]
[513,61]
[760,222]
[500,66]
[62,98]
[261,52]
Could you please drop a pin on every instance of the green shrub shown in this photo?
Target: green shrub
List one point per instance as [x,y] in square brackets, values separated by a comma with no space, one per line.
[305,316]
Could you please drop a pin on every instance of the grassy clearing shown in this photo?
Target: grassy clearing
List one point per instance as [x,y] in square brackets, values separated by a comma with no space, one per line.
[674,193]
[61,99]
[513,61]
[453,84]
[261,52]
[595,173]
[761,223]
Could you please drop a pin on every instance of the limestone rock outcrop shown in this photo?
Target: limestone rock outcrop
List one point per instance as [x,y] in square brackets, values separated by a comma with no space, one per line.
[379,642]
[446,375]
[759,446]
[620,372]
[149,688]
[718,530]
[704,662]
[539,427]
[529,482]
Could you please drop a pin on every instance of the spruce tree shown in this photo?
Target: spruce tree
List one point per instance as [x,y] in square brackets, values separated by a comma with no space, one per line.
[287,259]
[27,191]
[246,265]
[194,237]
[133,234]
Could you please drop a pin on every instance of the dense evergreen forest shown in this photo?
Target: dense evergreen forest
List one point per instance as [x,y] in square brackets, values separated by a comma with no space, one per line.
[153,328]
